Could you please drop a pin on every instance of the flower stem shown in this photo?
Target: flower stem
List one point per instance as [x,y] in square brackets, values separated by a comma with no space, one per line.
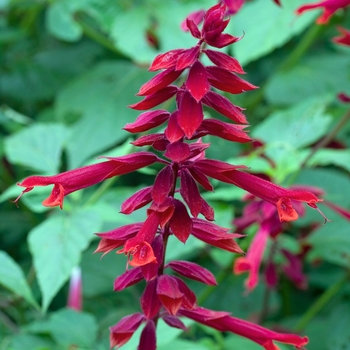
[321,302]
[328,138]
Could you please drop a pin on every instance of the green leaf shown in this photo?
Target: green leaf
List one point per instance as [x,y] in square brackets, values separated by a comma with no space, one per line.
[38,147]
[100,97]
[339,336]
[338,157]
[183,345]
[60,19]
[332,243]
[12,277]
[56,246]
[298,126]
[30,342]
[234,341]
[69,327]
[266,27]
[317,75]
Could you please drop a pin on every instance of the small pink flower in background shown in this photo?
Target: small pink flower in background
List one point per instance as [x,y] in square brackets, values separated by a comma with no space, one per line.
[329,8]
[75,299]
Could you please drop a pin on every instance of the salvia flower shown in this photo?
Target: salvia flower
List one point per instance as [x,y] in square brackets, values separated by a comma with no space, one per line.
[329,8]
[175,205]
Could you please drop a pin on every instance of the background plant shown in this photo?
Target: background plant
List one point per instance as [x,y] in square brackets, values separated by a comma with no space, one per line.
[71,119]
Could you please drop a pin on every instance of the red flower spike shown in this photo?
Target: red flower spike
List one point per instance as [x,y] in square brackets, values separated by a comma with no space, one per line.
[173,131]
[150,302]
[189,298]
[256,333]
[187,58]
[224,106]
[77,179]
[124,329]
[169,294]
[213,18]
[142,254]
[190,115]
[197,83]
[149,271]
[190,193]
[147,121]
[193,271]
[137,200]
[226,81]
[180,223]
[197,150]
[329,8]
[344,38]
[224,61]
[252,261]
[174,322]
[213,166]
[230,132]
[163,184]
[207,211]
[128,278]
[165,60]
[155,99]
[177,151]
[196,17]
[201,179]
[192,26]
[160,81]
[148,340]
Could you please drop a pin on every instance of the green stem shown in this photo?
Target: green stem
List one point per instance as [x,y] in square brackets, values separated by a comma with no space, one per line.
[320,303]
[289,62]
[313,32]
[98,37]
[101,190]
[328,138]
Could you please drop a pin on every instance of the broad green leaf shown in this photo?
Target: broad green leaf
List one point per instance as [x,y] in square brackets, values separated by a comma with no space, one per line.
[339,336]
[266,27]
[71,328]
[60,19]
[298,126]
[56,246]
[331,242]
[38,147]
[100,97]
[30,342]
[328,156]
[317,75]
[12,277]
[234,341]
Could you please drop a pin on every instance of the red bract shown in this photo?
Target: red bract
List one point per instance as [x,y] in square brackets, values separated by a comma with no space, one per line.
[147,121]
[197,83]
[329,8]
[125,328]
[169,293]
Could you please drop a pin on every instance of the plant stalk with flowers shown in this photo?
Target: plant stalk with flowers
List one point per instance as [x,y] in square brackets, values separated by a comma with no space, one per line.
[175,204]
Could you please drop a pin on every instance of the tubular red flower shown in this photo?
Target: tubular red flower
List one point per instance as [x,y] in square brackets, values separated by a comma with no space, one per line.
[77,179]
[329,8]
[256,333]
[251,262]
[344,38]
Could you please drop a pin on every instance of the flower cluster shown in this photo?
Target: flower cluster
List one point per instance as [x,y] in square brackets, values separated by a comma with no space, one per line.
[177,207]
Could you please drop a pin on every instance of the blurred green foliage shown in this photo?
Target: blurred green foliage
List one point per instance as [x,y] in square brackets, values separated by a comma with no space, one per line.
[68,70]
